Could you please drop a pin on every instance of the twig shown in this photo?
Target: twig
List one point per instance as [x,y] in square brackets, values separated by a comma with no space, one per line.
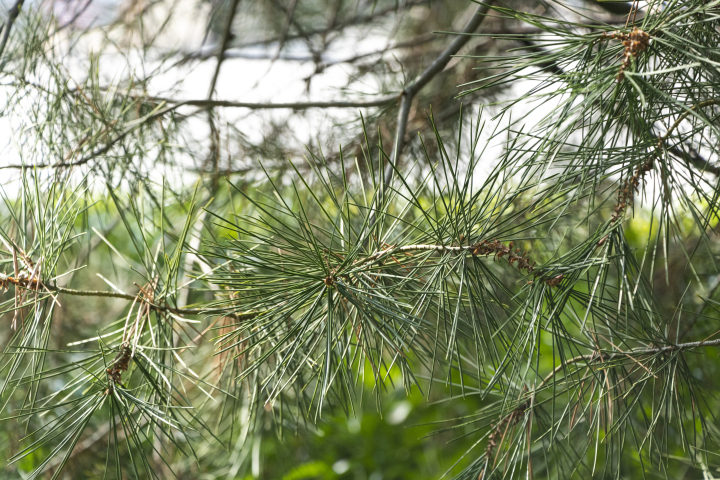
[100,151]
[339,26]
[378,102]
[223,46]
[409,92]
[286,29]
[12,16]
[205,104]
[214,133]
[33,285]
[238,52]
[629,354]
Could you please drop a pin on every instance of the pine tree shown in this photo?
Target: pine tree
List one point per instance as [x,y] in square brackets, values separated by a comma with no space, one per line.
[549,256]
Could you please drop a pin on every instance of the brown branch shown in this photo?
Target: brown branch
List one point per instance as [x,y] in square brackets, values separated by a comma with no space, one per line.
[383,100]
[484,247]
[412,43]
[155,306]
[214,133]
[505,33]
[286,28]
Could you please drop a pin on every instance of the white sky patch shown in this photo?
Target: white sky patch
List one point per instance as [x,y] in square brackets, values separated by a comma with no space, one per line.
[399,412]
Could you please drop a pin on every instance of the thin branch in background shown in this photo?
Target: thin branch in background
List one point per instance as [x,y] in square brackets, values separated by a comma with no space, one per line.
[224,42]
[77,14]
[214,133]
[409,92]
[13,13]
[340,26]
[286,29]
[102,150]
[204,105]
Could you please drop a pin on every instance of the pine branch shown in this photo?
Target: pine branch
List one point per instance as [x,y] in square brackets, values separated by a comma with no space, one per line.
[383,100]
[484,248]
[606,356]
[626,193]
[684,152]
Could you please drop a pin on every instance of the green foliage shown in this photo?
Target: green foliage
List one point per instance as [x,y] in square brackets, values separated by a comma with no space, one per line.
[549,312]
